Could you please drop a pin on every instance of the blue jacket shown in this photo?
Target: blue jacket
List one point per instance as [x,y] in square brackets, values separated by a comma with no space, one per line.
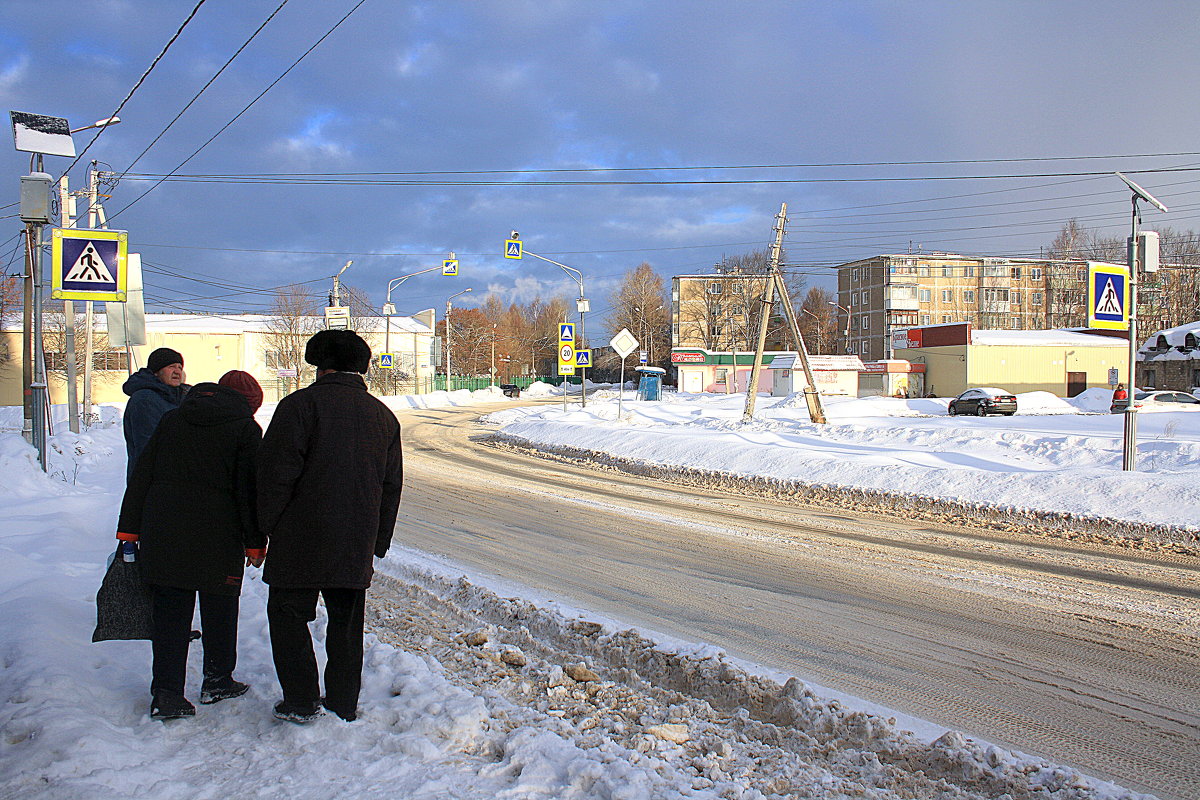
[149,399]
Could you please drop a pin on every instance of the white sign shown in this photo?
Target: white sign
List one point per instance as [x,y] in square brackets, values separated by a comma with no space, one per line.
[286,373]
[1114,376]
[624,343]
[337,317]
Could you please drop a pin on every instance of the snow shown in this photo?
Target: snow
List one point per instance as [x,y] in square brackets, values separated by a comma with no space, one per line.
[1044,338]
[73,715]
[1053,456]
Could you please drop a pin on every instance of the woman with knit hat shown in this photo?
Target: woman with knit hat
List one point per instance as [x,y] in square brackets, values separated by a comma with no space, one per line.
[190,506]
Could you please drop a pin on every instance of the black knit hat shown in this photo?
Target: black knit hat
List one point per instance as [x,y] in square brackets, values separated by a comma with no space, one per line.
[163,357]
[341,350]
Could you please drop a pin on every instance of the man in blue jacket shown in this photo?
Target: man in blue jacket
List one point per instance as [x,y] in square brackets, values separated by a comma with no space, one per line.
[153,390]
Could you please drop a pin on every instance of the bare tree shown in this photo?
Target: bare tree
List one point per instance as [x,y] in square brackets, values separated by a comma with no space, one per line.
[109,363]
[818,322]
[640,304]
[293,320]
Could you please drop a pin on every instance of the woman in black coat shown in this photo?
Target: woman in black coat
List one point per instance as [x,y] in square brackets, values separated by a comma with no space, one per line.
[190,505]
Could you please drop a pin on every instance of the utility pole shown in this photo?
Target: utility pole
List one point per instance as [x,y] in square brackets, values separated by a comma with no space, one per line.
[35,207]
[64,203]
[775,283]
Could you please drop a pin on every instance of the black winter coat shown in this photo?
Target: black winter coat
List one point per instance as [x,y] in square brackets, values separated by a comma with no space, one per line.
[329,479]
[149,399]
[191,498]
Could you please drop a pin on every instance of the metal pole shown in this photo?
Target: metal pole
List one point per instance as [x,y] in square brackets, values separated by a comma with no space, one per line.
[1129,443]
[64,202]
[582,340]
[449,341]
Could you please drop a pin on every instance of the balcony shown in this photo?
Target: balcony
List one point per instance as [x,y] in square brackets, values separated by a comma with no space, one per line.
[900,297]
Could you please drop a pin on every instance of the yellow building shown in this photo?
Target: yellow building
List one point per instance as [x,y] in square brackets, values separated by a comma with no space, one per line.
[1063,362]
[269,348]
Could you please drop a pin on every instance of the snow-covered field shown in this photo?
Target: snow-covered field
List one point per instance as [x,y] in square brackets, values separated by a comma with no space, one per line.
[1054,456]
[445,714]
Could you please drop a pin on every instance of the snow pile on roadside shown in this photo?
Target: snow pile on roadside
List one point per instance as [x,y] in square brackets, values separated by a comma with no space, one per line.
[1052,460]
[440,716]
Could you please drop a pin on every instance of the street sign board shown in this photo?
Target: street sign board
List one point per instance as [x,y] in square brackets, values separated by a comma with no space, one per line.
[450,266]
[286,373]
[624,343]
[566,331]
[337,317]
[642,357]
[566,358]
[89,264]
[512,248]
[1114,376]
[583,358]
[385,361]
[1108,296]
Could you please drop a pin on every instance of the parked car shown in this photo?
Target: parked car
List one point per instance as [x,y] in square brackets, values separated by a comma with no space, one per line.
[983,401]
[1158,401]
[510,389]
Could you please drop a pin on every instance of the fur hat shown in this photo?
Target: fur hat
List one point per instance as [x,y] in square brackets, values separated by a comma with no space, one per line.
[163,357]
[244,384]
[341,350]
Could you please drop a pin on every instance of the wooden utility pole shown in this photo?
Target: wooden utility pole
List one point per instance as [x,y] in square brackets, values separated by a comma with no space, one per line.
[775,283]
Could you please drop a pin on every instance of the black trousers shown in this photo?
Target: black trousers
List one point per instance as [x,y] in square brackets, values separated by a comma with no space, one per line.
[288,612]
[173,609]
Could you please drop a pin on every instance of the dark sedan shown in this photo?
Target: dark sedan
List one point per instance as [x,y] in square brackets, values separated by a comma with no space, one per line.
[984,401]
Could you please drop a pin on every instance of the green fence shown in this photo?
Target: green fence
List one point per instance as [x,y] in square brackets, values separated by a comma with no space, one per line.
[474,382]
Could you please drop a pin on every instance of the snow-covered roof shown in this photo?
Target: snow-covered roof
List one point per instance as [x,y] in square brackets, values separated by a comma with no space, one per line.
[1046,338]
[1175,336]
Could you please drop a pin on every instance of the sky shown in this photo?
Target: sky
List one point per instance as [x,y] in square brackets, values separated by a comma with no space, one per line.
[417,129]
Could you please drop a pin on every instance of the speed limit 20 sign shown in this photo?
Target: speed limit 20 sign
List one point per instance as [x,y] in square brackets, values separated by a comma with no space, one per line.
[566,358]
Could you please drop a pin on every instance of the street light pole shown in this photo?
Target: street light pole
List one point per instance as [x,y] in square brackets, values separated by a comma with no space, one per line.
[448,336]
[581,304]
[389,310]
[846,330]
[817,323]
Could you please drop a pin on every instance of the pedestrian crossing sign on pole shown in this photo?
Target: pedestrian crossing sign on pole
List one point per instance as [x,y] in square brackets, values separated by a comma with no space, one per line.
[583,358]
[385,361]
[1108,296]
[89,264]
[450,266]
[512,248]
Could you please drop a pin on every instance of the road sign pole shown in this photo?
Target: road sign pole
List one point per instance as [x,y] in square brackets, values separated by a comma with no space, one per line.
[1129,442]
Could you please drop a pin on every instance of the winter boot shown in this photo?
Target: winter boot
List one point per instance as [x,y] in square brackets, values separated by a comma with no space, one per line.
[214,690]
[347,713]
[169,705]
[298,712]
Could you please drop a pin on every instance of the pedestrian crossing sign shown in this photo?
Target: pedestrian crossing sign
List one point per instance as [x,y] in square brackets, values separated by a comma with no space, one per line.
[450,266]
[583,358]
[1108,296]
[512,248]
[385,361]
[89,264]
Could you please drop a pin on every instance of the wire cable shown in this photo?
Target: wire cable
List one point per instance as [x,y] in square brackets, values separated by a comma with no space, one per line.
[248,106]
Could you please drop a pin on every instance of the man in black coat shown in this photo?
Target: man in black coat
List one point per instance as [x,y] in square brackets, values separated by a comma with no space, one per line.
[153,390]
[329,481]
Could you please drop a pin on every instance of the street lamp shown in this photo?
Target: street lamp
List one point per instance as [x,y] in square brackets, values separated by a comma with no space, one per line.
[846,330]
[389,310]
[1129,445]
[448,337]
[818,324]
[582,305]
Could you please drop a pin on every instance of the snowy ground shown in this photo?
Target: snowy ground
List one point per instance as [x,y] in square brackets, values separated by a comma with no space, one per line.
[1054,456]
[468,689]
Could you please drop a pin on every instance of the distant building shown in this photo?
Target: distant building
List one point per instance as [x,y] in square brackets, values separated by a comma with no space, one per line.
[883,294]
[1170,359]
[718,311]
[214,344]
[958,357]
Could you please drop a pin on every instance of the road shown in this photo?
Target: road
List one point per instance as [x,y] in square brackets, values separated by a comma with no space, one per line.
[1085,654]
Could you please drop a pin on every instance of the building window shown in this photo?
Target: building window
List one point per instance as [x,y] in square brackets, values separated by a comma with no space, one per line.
[1195,378]
[924,319]
[1035,298]
[714,288]
[947,272]
[1151,379]
[993,295]
[854,323]
[854,274]
[736,311]
[924,295]
[923,272]
[946,318]
[111,360]
[721,373]
[970,272]
[1081,274]
[715,331]
[968,295]
[947,295]
[1035,273]
[1015,324]
[854,298]
[1015,297]
[853,347]
[1016,273]
[866,323]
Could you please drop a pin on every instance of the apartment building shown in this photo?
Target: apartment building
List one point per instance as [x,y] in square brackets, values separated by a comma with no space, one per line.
[719,311]
[886,293]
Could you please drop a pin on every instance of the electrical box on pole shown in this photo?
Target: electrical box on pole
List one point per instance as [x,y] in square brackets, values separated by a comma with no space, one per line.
[35,198]
[1145,256]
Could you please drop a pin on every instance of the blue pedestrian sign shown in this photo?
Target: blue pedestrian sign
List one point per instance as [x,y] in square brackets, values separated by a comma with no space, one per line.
[566,331]
[450,266]
[1108,296]
[89,264]
[512,248]
[583,358]
[385,361]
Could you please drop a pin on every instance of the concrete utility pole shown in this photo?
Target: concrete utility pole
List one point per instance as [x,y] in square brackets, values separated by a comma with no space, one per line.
[64,203]
[775,283]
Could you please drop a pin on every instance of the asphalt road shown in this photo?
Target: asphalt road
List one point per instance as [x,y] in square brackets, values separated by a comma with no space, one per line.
[1081,653]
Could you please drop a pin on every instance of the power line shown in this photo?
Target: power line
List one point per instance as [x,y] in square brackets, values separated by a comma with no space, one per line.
[247,107]
[203,88]
[140,80]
